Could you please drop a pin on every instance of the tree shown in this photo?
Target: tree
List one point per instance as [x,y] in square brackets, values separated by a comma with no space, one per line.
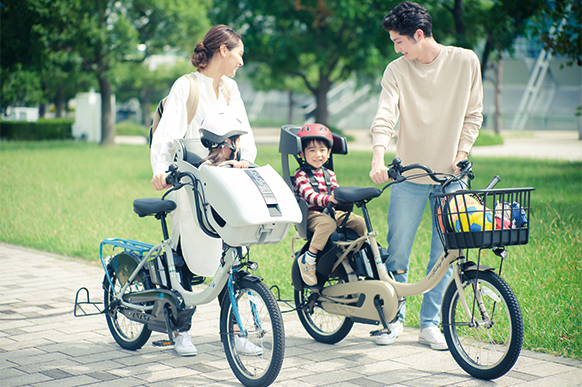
[320,42]
[559,25]
[149,86]
[96,36]
[108,32]
[496,23]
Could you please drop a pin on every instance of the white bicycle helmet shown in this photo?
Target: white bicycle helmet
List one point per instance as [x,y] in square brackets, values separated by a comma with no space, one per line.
[215,129]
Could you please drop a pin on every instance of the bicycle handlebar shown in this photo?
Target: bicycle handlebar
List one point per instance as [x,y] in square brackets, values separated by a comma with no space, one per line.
[397,169]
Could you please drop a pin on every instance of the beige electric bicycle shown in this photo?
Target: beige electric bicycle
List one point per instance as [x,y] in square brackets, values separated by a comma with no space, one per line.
[481,317]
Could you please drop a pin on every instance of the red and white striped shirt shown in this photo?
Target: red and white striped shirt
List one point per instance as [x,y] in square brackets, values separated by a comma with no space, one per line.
[315,200]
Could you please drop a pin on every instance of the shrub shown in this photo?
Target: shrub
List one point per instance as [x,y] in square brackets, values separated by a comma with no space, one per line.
[56,129]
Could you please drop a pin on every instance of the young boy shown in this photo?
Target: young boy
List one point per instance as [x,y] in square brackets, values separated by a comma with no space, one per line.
[317,141]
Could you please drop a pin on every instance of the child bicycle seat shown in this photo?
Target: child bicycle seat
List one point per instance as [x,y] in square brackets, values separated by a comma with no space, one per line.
[190,150]
[290,144]
[242,206]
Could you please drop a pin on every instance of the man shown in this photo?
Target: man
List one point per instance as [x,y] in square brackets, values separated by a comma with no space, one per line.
[437,93]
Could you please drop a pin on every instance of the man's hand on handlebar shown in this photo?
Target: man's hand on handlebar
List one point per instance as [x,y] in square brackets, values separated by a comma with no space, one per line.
[461,155]
[159,182]
[379,172]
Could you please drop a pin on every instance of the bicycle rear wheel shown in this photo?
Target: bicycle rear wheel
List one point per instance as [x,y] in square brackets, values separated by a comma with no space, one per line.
[488,347]
[128,334]
[255,358]
[322,326]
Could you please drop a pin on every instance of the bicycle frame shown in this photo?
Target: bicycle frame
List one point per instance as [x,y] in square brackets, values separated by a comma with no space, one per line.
[223,275]
[393,290]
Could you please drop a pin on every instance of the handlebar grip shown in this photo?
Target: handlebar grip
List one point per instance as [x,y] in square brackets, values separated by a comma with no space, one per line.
[171,177]
[169,180]
[493,182]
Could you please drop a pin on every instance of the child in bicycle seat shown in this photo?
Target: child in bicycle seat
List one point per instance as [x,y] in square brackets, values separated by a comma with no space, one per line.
[220,134]
[315,184]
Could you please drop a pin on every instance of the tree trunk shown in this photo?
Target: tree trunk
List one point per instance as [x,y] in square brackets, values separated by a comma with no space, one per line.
[459,16]
[486,54]
[291,106]
[107,119]
[145,101]
[321,113]
[498,90]
[41,109]
[59,102]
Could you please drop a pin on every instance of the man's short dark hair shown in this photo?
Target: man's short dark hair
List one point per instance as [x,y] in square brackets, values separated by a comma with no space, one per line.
[406,18]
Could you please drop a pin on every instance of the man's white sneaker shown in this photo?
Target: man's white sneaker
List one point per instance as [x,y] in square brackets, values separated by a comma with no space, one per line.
[246,347]
[432,336]
[183,345]
[389,338]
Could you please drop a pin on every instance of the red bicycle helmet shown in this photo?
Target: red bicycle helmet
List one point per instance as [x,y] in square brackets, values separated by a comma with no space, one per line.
[316,131]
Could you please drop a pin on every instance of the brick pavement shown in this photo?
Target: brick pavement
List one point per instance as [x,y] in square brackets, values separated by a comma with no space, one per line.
[43,344]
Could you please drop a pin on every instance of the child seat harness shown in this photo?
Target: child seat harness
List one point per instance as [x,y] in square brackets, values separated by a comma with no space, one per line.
[313,180]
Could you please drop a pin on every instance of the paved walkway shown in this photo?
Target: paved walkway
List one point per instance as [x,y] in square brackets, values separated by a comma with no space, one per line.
[43,344]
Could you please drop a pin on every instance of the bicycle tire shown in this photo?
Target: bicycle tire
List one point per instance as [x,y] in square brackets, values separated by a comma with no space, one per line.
[130,335]
[263,323]
[490,348]
[318,323]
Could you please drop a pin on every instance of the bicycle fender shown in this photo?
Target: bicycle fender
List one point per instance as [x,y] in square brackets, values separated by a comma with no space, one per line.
[248,276]
[472,266]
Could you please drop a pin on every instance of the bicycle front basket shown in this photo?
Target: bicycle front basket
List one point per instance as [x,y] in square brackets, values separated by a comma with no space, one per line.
[482,219]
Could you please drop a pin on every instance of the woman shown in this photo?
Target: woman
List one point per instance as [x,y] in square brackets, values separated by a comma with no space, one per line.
[217,58]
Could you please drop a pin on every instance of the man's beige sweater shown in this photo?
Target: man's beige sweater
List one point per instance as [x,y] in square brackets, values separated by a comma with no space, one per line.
[439,105]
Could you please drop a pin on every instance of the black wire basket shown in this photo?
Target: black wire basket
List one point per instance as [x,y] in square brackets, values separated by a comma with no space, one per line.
[483,219]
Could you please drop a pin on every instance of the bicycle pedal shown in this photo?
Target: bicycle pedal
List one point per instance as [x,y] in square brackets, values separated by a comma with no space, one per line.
[378,332]
[162,343]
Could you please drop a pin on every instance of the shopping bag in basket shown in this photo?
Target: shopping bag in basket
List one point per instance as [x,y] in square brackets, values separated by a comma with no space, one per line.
[512,214]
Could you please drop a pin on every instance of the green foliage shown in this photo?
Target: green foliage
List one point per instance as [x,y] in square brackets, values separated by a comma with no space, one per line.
[559,24]
[57,129]
[77,194]
[20,87]
[59,39]
[316,42]
[488,138]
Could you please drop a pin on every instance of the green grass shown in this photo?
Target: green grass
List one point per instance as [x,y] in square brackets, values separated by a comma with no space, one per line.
[131,128]
[65,197]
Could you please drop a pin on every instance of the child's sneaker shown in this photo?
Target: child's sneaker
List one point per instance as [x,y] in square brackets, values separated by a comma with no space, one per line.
[307,271]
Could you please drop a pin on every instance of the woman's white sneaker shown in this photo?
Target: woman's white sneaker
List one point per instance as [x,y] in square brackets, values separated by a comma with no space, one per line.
[389,338]
[183,345]
[246,347]
[432,336]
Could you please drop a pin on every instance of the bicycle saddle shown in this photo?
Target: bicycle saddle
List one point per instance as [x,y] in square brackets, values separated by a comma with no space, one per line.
[356,194]
[151,206]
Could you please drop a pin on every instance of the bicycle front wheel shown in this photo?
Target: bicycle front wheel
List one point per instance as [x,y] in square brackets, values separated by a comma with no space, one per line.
[256,349]
[487,345]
